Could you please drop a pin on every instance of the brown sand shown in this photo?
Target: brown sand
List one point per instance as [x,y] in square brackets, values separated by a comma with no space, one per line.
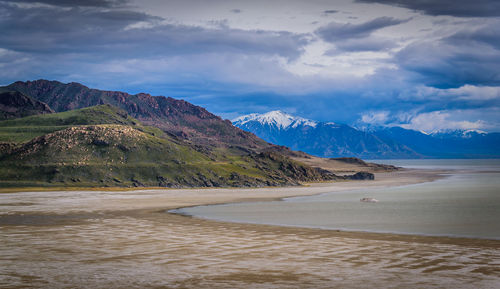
[344,168]
[102,239]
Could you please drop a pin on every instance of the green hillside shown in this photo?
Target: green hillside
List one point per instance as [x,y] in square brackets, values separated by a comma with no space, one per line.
[26,128]
[174,116]
[103,146]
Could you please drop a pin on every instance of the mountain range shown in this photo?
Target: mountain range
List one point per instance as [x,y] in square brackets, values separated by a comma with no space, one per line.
[177,117]
[329,139]
[58,135]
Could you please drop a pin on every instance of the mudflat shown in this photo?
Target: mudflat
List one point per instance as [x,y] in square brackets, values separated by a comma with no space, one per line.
[126,239]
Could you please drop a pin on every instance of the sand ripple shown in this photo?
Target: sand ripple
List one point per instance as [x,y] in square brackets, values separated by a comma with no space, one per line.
[161,250]
[81,240]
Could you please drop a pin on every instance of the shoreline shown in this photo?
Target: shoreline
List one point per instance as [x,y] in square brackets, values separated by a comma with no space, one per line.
[368,235]
[142,204]
[179,199]
[360,235]
[8,190]
[126,239]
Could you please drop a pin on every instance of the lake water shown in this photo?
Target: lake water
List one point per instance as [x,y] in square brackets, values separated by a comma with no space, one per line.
[466,203]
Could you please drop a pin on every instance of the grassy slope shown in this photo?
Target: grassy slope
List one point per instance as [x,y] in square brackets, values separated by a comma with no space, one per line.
[24,129]
[175,116]
[103,146]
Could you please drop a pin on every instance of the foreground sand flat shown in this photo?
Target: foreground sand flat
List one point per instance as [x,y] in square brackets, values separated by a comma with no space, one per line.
[103,239]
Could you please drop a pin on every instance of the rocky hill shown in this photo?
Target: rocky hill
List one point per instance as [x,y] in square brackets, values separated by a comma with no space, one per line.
[109,138]
[24,129]
[103,146]
[14,104]
[177,117]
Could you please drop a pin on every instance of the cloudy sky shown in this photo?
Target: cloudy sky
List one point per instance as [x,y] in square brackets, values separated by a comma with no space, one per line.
[421,64]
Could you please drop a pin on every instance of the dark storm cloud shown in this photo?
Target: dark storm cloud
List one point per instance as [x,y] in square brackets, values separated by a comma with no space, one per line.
[338,31]
[112,33]
[458,8]
[111,45]
[468,57]
[73,3]
[488,35]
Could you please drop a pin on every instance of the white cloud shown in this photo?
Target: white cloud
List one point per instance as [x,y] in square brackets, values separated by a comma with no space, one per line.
[428,122]
[441,120]
[375,118]
[465,92]
[270,47]
[472,92]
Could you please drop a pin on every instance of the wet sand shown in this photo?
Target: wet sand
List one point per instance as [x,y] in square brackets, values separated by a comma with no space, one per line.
[125,239]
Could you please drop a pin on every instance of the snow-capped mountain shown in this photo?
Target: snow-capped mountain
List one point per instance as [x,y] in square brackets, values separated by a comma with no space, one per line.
[458,133]
[328,139]
[325,139]
[274,118]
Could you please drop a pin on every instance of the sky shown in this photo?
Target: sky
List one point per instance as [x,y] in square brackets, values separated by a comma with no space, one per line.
[420,64]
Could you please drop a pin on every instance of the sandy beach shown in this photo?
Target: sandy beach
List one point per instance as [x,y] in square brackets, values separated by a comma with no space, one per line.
[126,239]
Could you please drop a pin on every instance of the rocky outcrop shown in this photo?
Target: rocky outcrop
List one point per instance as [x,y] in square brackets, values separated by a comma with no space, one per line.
[370,166]
[351,160]
[291,171]
[361,176]
[368,200]
[14,104]
[6,148]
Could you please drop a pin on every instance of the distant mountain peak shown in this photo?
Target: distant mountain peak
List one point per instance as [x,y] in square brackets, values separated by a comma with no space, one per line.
[458,133]
[325,139]
[329,139]
[275,118]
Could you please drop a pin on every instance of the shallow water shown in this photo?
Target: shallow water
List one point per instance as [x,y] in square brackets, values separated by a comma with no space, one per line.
[447,164]
[466,203]
[106,239]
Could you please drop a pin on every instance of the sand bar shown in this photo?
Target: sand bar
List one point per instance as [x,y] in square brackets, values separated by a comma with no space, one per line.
[105,239]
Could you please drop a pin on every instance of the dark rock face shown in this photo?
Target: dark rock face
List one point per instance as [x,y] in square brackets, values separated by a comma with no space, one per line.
[361,176]
[355,161]
[6,148]
[14,104]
